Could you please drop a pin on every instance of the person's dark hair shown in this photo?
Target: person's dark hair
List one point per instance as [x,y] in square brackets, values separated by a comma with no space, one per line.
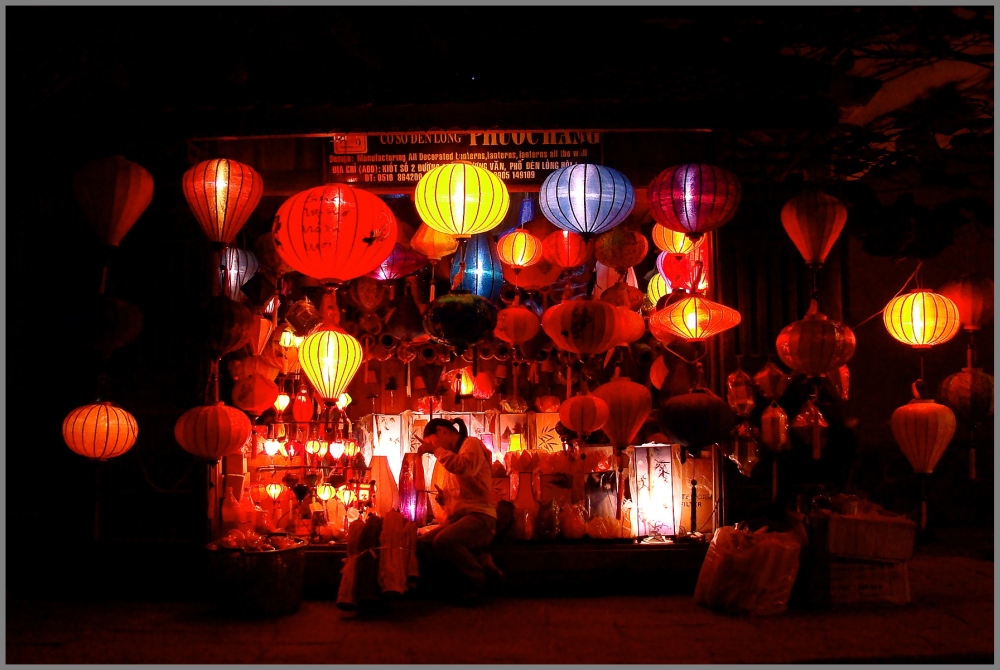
[456,425]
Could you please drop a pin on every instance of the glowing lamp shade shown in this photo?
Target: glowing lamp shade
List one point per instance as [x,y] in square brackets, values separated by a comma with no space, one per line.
[274,490]
[586,199]
[516,442]
[343,400]
[100,431]
[460,199]
[671,241]
[516,324]
[923,429]
[222,195]
[330,358]
[213,431]
[325,491]
[519,249]
[694,318]
[973,295]
[281,402]
[236,269]
[921,318]
[464,383]
[582,326]
[315,446]
[814,220]
[658,287]
[483,270]
[565,249]
[433,243]
[272,447]
[113,193]
[694,198]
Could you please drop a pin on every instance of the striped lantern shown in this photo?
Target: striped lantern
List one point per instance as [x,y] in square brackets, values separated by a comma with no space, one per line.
[815,344]
[236,268]
[584,414]
[921,318]
[213,431]
[671,241]
[516,324]
[330,358]
[581,325]
[433,243]
[813,220]
[519,249]
[401,261]
[621,248]
[222,195]
[677,270]
[923,429]
[260,333]
[628,408]
[483,269]
[969,394]
[694,198]
[565,249]
[657,288]
[586,199]
[334,233]
[100,431]
[608,277]
[113,193]
[461,199]
[695,318]
[972,293]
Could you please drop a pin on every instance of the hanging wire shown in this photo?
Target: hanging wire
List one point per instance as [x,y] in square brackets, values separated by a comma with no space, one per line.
[903,288]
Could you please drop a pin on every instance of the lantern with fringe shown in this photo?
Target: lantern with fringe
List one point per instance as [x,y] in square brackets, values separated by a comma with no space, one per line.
[433,244]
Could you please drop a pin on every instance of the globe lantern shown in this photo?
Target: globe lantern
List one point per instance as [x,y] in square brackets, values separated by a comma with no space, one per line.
[236,268]
[516,324]
[565,249]
[584,414]
[461,199]
[483,275]
[815,344]
[813,220]
[657,288]
[100,431]
[695,318]
[330,357]
[623,295]
[630,327]
[581,325]
[621,248]
[972,293]
[694,198]
[921,318]
[222,195]
[519,249]
[586,199]
[671,241]
[460,319]
[113,193]
[213,431]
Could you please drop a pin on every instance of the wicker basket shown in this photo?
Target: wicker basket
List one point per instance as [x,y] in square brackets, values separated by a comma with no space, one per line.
[258,583]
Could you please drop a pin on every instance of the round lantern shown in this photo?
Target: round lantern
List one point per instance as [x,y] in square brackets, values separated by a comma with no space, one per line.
[330,358]
[213,431]
[565,249]
[608,277]
[519,249]
[583,414]
[694,198]
[814,220]
[334,233]
[581,325]
[973,295]
[623,295]
[969,394]
[460,319]
[923,429]
[586,199]
[815,344]
[228,325]
[696,419]
[621,248]
[630,327]
[628,407]
[222,195]
[695,319]
[113,193]
[483,270]
[460,199]
[671,241]
[433,243]
[921,318]
[236,268]
[516,324]
[100,431]
[267,254]
[657,288]
[401,261]
[255,393]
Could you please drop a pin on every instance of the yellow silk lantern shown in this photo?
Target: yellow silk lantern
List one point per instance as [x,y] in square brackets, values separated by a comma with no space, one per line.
[314,446]
[281,402]
[274,490]
[343,400]
[464,383]
[695,319]
[921,318]
[672,241]
[461,200]
[658,287]
[325,491]
[330,359]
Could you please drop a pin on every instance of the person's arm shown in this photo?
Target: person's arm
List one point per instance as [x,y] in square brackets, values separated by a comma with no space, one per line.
[468,459]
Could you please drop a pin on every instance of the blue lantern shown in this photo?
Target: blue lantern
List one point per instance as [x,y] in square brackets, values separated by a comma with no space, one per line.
[483,271]
[586,199]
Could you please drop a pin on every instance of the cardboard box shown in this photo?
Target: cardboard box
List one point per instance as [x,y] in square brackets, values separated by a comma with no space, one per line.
[870,537]
[853,582]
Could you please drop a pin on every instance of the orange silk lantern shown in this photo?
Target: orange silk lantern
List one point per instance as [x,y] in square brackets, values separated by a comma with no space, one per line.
[695,319]
[433,243]
[921,318]
[815,344]
[100,431]
[972,293]
[484,386]
[464,383]
[694,198]
[671,241]
[547,403]
[923,429]
[628,408]
[516,324]
[814,220]
[623,295]
[581,325]
[630,326]
[222,195]
[260,333]
[621,248]
[330,358]
[565,249]
[583,414]
[334,233]
[213,431]
[113,193]
[519,249]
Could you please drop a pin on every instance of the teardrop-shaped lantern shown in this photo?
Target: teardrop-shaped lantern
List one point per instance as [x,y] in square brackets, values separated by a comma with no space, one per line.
[581,325]
[658,372]
[695,318]
[969,394]
[694,198]
[519,249]
[330,357]
[100,431]
[921,318]
[433,244]
[460,319]
[815,344]
[565,249]
[621,248]
[113,193]
[972,293]
[584,414]
[222,195]
[483,270]
[814,220]
[236,269]
[516,324]
[628,408]
[461,199]
[923,429]
[586,199]
[672,241]
[213,431]
[696,419]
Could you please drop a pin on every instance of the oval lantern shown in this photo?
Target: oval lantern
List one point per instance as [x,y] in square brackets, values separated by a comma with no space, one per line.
[483,270]
[586,199]
[100,431]
[334,233]
[302,406]
[236,268]
[815,344]
[696,419]
[582,325]
[565,249]
[222,195]
[401,261]
[923,429]
[330,358]
[461,199]
[630,326]
[255,393]
[813,220]
[113,193]
[672,241]
[921,318]
[696,319]
[460,319]
[213,431]
[972,293]
[628,408]
[519,249]
[623,295]
[694,198]
[584,414]
[267,255]
[969,395]
[621,248]
[516,324]
[228,325]
[433,244]
[657,288]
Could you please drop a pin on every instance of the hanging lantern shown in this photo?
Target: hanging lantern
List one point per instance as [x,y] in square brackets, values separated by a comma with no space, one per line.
[629,327]
[113,193]
[254,394]
[623,295]
[584,414]
[406,322]
[815,344]
[386,491]
[222,195]
[621,248]
[657,288]
[676,270]
[581,325]
[267,254]
[921,318]
[813,220]
[460,319]
[739,393]
[658,372]
[483,270]
[972,293]
[772,381]
[672,241]
[923,429]
[628,408]
[464,383]
[367,292]
[565,249]
[586,199]
[547,404]
[283,352]
[343,400]
[303,316]
[519,249]
[100,431]
[281,403]
[401,261]
[839,379]
[260,333]
[694,198]
[302,406]
[696,420]
[461,200]
[516,324]
[484,386]
[251,365]
[811,427]
[237,267]
[330,358]
[228,325]
[969,394]
[743,448]
[213,431]
[334,233]
[433,244]
[774,428]
[696,319]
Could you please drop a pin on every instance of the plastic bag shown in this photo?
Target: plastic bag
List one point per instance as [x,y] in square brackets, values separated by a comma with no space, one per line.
[748,573]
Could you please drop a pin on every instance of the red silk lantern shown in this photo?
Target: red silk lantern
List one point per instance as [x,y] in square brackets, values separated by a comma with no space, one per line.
[330,358]
[923,429]
[628,408]
[547,403]
[113,193]
[565,249]
[677,270]
[213,431]
[621,248]
[516,324]
[696,419]
[484,386]
[100,431]
[921,318]
[623,295]
[581,325]
[695,319]
[255,393]
[401,261]
[672,242]
[658,372]
[260,333]
[969,394]
[814,220]
[583,414]
[302,406]
[694,198]
[972,293]
[519,249]
[432,243]
[815,344]
[629,328]
[222,195]
[334,233]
